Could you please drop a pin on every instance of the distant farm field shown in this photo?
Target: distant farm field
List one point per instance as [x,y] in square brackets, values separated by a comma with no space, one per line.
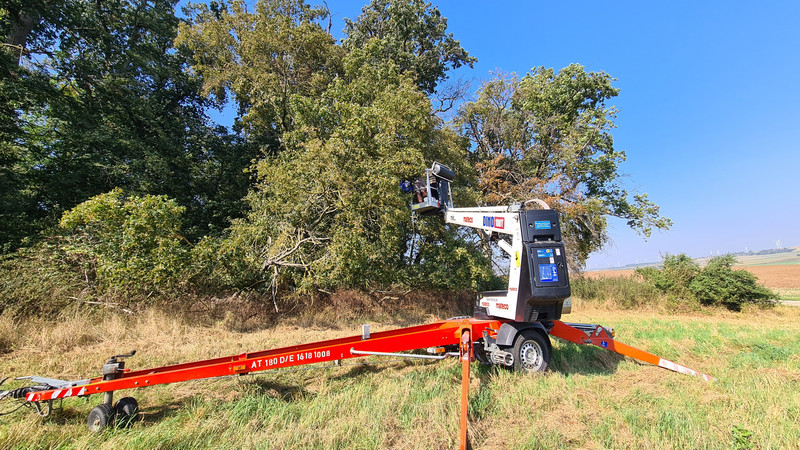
[776,277]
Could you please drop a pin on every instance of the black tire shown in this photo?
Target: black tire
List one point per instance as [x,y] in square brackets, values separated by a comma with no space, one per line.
[127,410]
[531,352]
[480,353]
[100,417]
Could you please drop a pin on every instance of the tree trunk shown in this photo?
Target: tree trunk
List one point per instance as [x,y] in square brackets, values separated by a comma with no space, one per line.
[18,36]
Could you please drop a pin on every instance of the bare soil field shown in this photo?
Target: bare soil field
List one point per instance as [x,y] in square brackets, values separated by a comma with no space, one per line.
[776,277]
[773,277]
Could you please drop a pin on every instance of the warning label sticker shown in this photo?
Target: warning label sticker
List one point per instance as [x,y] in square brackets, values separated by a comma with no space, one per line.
[548,273]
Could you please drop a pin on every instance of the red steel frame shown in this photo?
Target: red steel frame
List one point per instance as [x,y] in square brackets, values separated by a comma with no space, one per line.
[437,334]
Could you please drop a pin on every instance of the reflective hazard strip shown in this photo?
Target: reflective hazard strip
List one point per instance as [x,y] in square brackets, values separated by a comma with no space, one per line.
[56,394]
[667,364]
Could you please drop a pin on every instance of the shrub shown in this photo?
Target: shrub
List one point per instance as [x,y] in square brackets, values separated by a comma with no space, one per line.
[674,278]
[719,284]
[42,278]
[716,284]
[131,243]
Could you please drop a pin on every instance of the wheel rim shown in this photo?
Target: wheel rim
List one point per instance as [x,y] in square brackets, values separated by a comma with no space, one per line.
[531,356]
[96,424]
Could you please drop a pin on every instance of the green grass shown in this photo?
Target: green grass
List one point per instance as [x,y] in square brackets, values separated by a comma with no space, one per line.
[590,397]
[788,294]
[785,258]
[781,259]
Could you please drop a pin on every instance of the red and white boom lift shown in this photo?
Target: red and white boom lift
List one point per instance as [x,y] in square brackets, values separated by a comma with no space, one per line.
[510,328]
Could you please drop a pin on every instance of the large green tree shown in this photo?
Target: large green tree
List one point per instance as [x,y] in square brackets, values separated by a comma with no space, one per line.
[267,60]
[100,98]
[413,35]
[28,32]
[330,212]
[548,136]
[339,127]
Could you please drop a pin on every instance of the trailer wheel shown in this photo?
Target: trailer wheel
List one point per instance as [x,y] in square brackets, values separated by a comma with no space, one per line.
[100,417]
[531,352]
[127,409]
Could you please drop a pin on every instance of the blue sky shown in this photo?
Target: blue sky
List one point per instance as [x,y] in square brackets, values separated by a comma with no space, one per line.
[708,109]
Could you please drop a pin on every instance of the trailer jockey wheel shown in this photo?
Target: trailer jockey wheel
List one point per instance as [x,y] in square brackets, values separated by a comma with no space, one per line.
[100,417]
[126,409]
[531,352]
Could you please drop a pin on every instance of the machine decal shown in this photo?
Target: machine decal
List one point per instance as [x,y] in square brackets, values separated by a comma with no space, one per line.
[542,224]
[544,253]
[467,219]
[502,306]
[302,356]
[516,258]
[494,222]
[548,273]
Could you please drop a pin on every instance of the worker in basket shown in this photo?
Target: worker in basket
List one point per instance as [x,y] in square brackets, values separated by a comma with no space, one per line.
[420,188]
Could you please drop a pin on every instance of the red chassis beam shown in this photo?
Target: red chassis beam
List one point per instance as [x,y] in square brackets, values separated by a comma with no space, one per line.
[447,332]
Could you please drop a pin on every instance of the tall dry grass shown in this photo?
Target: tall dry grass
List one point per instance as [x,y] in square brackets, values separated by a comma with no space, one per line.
[590,399]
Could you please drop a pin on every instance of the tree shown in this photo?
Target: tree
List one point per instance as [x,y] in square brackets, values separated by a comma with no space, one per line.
[413,35]
[339,127]
[27,30]
[548,136]
[112,106]
[267,60]
[330,213]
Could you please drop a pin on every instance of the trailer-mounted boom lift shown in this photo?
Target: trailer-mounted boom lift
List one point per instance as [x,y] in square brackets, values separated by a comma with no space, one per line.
[510,328]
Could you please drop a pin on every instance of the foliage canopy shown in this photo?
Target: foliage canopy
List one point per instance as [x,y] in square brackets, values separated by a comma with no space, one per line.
[104,121]
[99,98]
[548,136]
[329,212]
[131,244]
[411,34]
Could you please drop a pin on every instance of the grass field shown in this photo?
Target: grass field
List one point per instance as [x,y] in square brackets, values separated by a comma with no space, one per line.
[786,258]
[590,399]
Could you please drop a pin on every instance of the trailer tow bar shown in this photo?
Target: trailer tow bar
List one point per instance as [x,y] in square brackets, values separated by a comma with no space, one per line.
[453,334]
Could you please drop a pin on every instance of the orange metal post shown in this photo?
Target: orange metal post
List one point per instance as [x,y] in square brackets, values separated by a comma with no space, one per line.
[466,355]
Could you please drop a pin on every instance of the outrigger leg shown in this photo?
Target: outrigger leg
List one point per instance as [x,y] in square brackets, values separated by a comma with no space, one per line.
[604,338]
